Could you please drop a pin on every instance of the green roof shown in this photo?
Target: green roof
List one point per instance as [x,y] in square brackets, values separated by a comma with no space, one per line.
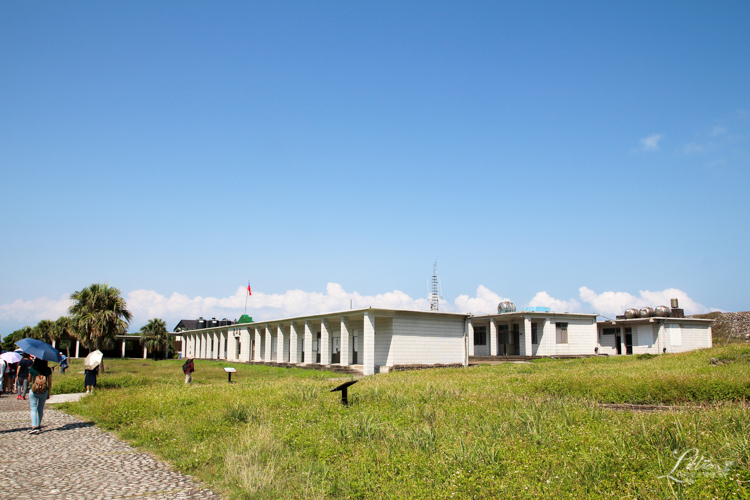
[245,319]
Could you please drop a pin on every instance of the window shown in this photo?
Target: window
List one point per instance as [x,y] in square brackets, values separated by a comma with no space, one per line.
[562,333]
[534,335]
[611,331]
[480,335]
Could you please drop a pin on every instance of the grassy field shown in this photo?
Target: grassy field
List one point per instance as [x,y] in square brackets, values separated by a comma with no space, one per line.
[503,431]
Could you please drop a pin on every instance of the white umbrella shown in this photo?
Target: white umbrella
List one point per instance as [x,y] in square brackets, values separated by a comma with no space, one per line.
[11,357]
[93,360]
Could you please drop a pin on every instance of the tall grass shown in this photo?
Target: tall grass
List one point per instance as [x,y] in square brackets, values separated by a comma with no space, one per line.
[487,432]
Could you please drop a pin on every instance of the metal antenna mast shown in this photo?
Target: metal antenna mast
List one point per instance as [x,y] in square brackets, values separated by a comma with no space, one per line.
[435,290]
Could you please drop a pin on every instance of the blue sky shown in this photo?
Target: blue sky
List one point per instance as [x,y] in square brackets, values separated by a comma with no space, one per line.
[176,149]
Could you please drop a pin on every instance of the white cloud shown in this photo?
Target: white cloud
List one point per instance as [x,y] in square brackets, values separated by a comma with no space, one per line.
[545,300]
[651,143]
[614,303]
[32,311]
[147,304]
[485,302]
[717,131]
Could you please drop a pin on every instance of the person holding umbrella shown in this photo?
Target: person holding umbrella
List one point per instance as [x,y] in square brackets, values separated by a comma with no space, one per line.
[11,361]
[40,377]
[91,365]
[3,366]
[90,379]
[6,378]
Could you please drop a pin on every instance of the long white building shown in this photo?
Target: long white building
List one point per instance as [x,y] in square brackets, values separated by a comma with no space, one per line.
[377,340]
[370,340]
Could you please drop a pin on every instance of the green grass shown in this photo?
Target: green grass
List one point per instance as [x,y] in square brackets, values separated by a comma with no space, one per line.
[121,373]
[510,430]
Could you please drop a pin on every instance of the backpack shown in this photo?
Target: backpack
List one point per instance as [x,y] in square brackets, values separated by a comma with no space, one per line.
[40,385]
[184,367]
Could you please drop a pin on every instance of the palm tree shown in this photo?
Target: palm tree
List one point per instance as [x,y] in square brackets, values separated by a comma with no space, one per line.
[99,314]
[44,331]
[64,333]
[154,336]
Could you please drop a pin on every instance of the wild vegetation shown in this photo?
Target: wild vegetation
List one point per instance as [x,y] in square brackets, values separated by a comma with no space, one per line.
[509,430]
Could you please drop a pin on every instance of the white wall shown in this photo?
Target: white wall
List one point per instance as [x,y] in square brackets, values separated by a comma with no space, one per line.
[693,336]
[383,341]
[643,339]
[425,340]
[582,336]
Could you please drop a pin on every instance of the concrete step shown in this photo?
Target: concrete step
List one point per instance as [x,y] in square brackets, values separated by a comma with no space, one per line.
[351,369]
[480,359]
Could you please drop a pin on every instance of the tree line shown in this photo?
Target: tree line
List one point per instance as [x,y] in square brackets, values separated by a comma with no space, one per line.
[98,314]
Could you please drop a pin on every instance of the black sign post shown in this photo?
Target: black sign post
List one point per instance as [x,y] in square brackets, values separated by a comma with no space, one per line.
[343,387]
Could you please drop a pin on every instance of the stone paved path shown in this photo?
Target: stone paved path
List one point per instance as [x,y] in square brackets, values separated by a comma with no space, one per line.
[73,460]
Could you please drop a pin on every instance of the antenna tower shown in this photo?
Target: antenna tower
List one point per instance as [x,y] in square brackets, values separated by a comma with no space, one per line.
[435,290]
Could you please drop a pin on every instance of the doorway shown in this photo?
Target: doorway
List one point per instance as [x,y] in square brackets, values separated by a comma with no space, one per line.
[316,348]
[515,340]
[355,350]
[628,341]
[335,350]
[502,340]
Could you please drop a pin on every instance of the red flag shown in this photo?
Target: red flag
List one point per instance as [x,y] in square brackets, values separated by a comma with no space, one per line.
[248,289]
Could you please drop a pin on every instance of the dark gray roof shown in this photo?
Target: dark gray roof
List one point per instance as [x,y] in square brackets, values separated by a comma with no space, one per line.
[187,324]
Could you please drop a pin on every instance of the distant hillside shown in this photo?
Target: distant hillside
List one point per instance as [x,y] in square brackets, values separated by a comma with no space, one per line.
[733,326]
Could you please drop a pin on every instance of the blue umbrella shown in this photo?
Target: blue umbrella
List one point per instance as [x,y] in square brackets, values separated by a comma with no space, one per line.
[40,350]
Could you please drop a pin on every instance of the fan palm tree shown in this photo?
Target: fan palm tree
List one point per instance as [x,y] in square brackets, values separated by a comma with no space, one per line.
[154,336]
[44,331]
[99,314]
[64,333]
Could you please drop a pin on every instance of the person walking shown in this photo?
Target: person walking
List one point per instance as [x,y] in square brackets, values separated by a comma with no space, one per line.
[3,367]
[63,364]
[40,377]
[6,378]
[90,380]
[13,381]
[22,376]
[188,368]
